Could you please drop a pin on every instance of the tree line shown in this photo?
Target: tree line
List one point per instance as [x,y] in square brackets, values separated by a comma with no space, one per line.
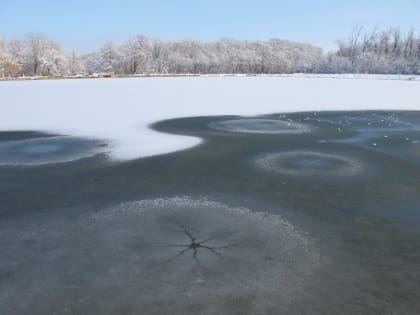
[391,51]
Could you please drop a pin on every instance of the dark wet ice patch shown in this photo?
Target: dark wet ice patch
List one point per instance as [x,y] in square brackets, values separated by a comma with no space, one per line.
[372,121]
[369,128]
[264,126]
[397,135]
[7,185]
[165,255]
[309,163]
[37,151]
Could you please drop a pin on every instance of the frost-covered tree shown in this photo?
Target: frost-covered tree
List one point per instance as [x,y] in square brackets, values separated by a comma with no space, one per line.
[43,57]
[231,56]
[16,51]
[108,58]
[388,51]
[135,55]
[9,66]
[91,62]
[53,62]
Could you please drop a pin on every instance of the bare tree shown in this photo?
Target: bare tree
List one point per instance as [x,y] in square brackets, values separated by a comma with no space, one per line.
[35,44]
[409,44]
[354,42]
[396,37]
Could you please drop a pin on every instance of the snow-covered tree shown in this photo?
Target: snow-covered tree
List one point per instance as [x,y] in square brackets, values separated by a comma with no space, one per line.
[135,55]
[389,51]
[16,51]
[53,62]
[9,66]
[108,58]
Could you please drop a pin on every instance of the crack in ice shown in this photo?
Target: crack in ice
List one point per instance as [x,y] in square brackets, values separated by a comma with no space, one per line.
[195,245]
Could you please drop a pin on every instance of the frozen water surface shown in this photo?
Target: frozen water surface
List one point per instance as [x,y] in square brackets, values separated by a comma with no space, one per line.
[321,227]
[396,134]
[310,163]
[376,121]
[264,126]
[45,150]
[338,234]
[8,185]
[140,253]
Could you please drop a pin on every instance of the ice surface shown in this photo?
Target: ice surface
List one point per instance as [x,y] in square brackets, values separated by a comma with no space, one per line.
[363,76]
[265,126]
[47,150]
[310,163]
[121,110]
[373,123]
[127,255]
[396,134]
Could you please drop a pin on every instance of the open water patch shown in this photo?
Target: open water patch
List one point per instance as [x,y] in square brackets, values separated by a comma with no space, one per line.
[263,126]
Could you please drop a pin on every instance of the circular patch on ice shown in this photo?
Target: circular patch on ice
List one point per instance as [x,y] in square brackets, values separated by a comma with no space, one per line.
[310,163]
[46,150]
[265,126]
[204,249]
[160,255]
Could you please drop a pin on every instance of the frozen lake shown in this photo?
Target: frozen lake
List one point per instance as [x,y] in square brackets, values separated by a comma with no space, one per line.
[312,212]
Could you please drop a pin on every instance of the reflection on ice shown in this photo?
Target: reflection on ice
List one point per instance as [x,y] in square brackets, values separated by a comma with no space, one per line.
[264,126]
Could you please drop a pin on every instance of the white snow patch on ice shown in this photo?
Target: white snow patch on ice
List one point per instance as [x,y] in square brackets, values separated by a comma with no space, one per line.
[121,110]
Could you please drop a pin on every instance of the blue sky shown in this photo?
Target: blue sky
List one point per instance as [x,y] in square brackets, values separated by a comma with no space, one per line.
[87,24]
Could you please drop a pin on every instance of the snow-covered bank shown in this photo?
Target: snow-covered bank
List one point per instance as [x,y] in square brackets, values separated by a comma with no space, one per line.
[408,77]
[121,109]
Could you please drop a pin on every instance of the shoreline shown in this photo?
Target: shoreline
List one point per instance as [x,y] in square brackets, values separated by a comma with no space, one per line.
[401,77]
